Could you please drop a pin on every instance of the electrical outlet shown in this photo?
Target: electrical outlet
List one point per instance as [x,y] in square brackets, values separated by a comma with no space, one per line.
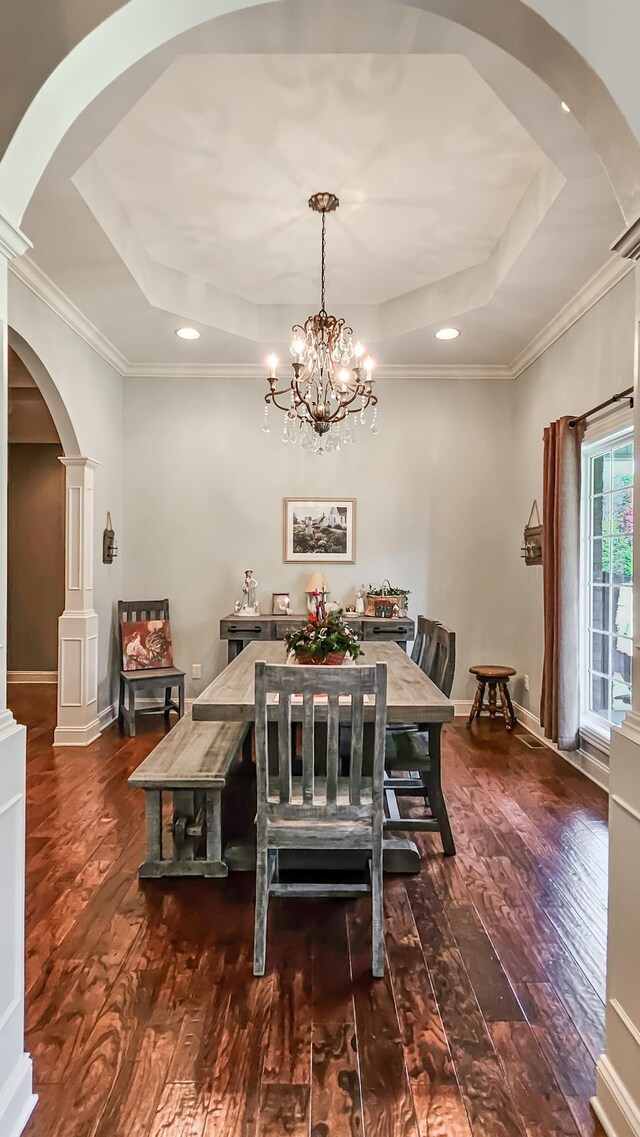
[526,682]
[196,671]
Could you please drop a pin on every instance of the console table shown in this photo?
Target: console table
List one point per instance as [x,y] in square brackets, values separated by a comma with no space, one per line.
[242,630]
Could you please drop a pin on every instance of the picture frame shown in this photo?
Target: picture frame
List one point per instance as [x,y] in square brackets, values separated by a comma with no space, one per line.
[319,530]
[280,601]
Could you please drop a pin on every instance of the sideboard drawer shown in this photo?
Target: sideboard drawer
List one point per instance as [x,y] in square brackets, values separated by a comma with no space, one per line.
[282,628]
[246,629]
[389,630]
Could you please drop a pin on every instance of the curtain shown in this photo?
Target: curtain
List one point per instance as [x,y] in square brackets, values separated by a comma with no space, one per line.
[560,698]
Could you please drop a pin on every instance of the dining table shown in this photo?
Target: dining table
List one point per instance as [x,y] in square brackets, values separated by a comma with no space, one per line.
[411,698]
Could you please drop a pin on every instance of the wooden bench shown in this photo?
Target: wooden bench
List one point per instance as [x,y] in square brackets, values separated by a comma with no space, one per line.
[192,762]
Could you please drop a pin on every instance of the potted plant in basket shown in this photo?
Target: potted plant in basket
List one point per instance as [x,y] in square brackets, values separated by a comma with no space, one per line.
[325,639]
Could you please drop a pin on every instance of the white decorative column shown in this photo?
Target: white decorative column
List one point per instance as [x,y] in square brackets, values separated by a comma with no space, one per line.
[78,722]
[617,1100]
[16,1094]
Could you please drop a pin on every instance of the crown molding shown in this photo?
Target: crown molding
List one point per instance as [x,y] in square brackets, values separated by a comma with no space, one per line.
[607,277]
[259,371]
[13,242]
[612,272]
[628,243]
[46,290]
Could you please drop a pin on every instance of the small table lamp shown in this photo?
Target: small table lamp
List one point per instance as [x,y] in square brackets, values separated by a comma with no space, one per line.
[315,583]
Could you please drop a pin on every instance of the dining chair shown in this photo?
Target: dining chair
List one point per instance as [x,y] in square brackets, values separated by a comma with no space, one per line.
[150,680]
[415,750]
[322,808]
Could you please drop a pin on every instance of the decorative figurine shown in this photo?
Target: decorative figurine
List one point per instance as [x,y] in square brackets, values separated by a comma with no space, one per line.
[237,607]
[250,606]
[360,595]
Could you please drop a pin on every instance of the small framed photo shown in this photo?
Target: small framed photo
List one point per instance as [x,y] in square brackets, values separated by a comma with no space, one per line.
[320,530]
[280,604]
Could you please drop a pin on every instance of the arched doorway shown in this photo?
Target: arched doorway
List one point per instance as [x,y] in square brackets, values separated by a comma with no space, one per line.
[76,638]
[137,29]
[35,545]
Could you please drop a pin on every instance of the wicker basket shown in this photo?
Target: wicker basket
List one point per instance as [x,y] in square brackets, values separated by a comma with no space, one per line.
[333,659]
[386,600]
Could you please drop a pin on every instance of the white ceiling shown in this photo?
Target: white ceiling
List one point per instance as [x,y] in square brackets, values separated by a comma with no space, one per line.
[213,167]
[467,196]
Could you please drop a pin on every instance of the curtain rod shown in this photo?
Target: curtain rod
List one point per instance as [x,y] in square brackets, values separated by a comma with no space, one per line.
[628,394]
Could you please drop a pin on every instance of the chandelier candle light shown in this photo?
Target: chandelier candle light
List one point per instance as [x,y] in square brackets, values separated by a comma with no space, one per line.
[331,379]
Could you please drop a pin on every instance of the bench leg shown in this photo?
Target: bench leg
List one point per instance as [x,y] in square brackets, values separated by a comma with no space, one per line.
[154,824]
[181,699]
[214,828]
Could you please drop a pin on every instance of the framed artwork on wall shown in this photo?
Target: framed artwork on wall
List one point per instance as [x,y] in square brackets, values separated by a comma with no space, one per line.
[320,530]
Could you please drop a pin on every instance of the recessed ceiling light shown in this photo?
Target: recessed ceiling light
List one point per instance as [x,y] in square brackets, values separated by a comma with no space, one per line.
[188,333]
[447,334]
[565,107]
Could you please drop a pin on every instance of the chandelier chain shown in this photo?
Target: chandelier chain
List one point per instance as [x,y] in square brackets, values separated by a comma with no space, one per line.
[324,257]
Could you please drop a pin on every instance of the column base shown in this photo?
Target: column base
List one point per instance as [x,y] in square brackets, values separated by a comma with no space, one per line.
[16,1093]
[77,735]
[613,1105]
[17,1099]
[78,721]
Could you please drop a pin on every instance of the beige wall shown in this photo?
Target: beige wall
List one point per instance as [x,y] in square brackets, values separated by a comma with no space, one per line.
[592,361]
[204,502]
[35,555]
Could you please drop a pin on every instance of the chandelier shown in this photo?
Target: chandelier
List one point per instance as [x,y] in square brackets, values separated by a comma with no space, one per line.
[331,389]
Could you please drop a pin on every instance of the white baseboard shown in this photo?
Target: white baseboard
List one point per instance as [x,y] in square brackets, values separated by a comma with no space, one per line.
[462,707]
[613,1105]
[17,1099]
[77,735]
[592,767]
[108,715]
[32,676]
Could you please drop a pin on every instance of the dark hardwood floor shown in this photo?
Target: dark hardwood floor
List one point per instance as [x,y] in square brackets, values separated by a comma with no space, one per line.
[144,1019]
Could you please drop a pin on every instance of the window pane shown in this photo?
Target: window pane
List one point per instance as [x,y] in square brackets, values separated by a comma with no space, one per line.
[622,511]
[601,515]
[601,560]
[600,696]
[621,659]
[601,473]
[622,466]
[620,701]
[600,608]
[622,560]
[608,580]
[622,610]
[600,652]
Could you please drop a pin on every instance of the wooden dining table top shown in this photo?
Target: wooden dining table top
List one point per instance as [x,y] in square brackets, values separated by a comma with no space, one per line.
[411,696]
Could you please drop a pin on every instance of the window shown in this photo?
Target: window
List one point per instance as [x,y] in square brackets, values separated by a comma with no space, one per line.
[607,624]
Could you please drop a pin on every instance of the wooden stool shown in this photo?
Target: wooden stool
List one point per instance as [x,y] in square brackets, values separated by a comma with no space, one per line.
[497,678]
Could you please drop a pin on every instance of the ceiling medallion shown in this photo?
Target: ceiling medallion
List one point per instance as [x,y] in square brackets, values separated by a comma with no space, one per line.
[331,381]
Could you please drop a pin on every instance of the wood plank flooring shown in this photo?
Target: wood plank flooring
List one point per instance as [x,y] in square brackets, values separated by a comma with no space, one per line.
[144,1019]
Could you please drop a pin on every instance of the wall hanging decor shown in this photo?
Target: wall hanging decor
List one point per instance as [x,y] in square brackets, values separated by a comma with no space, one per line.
[531,550]
[109,543]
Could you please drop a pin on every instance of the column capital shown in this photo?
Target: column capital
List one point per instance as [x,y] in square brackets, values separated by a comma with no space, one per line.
[13,242]
[88,463]
[628,243]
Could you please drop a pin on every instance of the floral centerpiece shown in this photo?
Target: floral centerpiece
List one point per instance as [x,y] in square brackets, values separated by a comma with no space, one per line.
[327,638]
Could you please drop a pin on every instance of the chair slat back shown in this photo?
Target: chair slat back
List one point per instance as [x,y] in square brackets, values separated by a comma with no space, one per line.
[443,663]
[142,610]
[426,642]
[314,696]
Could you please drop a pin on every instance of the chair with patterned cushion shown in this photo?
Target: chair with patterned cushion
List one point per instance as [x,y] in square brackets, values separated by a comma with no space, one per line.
[146,680]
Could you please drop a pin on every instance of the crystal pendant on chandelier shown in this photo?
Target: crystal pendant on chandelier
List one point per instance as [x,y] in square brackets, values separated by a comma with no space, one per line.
[332,375]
